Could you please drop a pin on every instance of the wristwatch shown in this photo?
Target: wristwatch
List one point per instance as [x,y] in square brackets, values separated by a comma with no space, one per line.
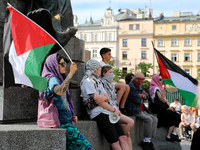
[143,96]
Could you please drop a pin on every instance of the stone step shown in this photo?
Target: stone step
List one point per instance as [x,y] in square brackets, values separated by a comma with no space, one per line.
[28,136]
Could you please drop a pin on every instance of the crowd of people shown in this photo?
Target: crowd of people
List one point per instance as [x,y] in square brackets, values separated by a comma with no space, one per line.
[107,96]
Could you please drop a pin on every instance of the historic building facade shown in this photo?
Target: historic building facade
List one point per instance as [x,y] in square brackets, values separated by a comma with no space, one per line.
[102,33]
[135,35]
[178,38]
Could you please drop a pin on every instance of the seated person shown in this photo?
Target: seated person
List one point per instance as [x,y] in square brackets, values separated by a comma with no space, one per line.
[122,89]
[129,77]
[188,119]
[113,133]
[134,106]
[176,105]
[166,116]
[58,84]
[106,81]
[195,112]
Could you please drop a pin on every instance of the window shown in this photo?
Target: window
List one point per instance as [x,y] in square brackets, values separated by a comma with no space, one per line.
[174,42]
[108,21]
[130,27]
[199,41]
[144,55]
[96,37]
[198,56]
[124,42]
[187,56]
[106,37]
[124,70]
[160,42]
[144,42]
[81,36]
[137,26]
[92,37]
[173,27]
[187,71]
[94,53]
[187,41]
[110,37]
[124,55]
[174,57]
[86,37]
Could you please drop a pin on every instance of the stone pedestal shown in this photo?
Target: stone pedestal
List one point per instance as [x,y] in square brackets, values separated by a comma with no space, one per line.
[19,104]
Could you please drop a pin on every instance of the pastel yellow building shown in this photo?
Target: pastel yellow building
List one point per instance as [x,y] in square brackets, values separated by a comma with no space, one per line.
[178,38]
[135,36]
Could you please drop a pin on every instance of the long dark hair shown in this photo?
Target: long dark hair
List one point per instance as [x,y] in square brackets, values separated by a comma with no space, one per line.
[128,77]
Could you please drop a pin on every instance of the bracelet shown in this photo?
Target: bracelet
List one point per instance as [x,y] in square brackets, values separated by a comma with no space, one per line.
[114,109]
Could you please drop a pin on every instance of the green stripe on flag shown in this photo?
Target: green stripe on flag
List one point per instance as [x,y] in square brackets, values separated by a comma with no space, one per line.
[169,81]
[33,66]
[189,98]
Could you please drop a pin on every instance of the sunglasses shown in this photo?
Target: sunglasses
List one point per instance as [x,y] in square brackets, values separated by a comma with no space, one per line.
[63,64]
[160,79]
[141,78]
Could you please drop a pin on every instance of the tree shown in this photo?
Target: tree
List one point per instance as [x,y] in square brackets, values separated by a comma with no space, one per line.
[198,77]
[144,68]
[118,74]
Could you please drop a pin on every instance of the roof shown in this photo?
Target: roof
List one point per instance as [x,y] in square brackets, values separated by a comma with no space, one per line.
[177,19]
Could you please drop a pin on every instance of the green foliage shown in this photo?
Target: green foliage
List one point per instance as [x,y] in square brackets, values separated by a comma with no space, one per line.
[146,85]
[118,74]
[111,63]
[198,77]
[144,68]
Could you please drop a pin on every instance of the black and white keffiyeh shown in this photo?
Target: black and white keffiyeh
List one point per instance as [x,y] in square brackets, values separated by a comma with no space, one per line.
[106,82]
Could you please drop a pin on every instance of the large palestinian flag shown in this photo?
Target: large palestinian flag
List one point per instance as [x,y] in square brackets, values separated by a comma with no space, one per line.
[175,76]
[25,46]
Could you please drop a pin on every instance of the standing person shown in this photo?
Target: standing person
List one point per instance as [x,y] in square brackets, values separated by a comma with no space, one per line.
[166,117]
[134,106]
[113,133]
[122,89]
[188,119]
[106,81]
[58,82]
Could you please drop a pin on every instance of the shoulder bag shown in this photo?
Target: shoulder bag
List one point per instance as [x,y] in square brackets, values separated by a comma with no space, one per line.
[47,113]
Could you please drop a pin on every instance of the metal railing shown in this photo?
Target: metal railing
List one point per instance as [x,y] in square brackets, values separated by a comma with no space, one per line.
[170,96]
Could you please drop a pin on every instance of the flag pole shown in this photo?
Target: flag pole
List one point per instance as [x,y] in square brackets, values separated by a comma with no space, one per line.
[154,50]
[42,29]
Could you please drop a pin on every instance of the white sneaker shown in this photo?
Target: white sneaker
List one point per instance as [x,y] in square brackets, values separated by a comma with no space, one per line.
[182,137]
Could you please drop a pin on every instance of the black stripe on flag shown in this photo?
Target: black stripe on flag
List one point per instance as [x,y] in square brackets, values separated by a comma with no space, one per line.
[173,67]
[7,40]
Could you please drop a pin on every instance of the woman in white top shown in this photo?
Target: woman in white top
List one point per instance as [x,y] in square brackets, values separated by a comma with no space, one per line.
[176,105]
[106,81]
[187,120]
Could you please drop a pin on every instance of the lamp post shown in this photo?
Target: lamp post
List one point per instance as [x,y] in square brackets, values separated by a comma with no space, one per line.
[135,64]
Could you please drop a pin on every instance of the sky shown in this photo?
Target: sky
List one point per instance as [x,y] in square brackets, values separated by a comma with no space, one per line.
[96,8]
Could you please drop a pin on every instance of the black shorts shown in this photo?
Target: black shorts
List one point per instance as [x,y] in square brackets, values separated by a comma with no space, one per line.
[112,132]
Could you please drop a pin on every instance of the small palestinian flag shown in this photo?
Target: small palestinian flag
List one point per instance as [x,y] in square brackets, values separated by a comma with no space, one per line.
[25,46]
[175,76]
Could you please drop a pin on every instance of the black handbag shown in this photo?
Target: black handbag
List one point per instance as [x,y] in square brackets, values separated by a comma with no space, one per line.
[90,103]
